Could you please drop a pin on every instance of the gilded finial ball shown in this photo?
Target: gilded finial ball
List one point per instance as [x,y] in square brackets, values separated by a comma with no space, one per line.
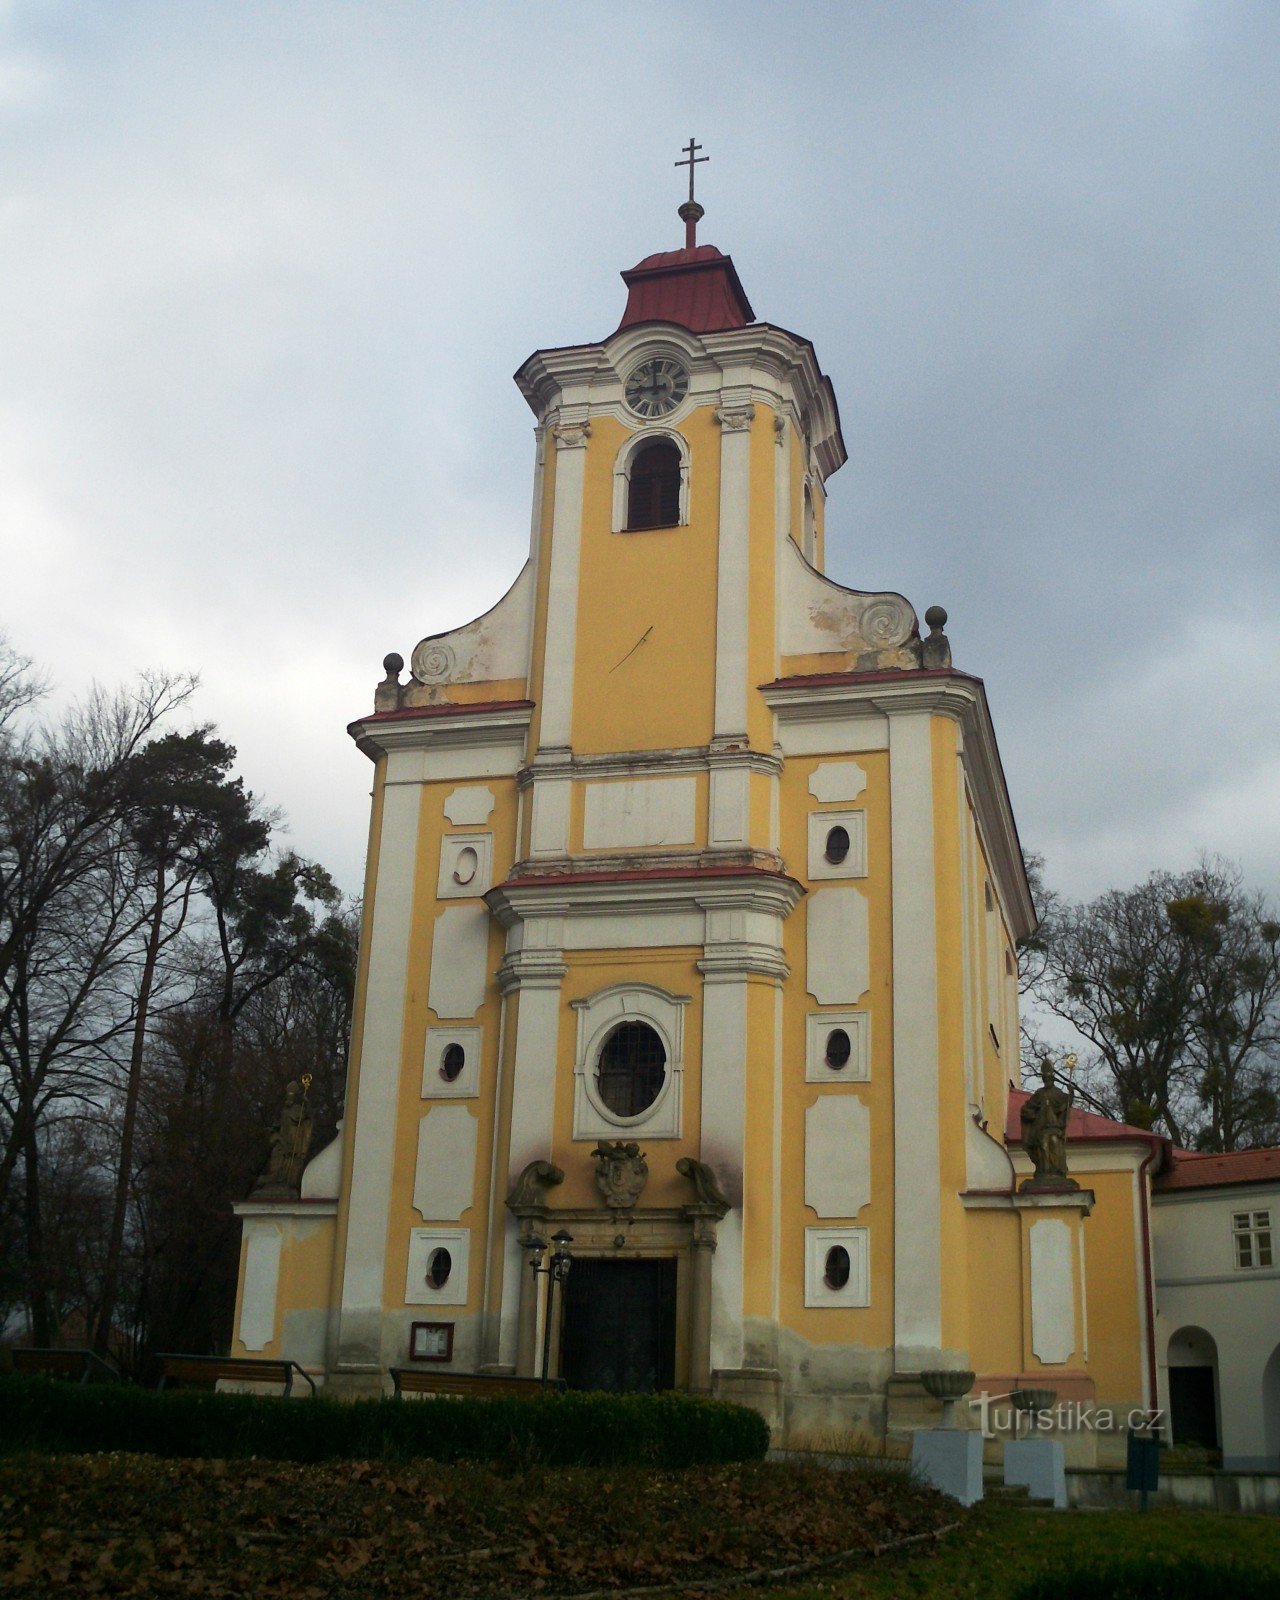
[936,617]
[393,664]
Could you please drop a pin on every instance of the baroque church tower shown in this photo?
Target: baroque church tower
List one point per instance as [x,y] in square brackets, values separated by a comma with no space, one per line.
[689,925]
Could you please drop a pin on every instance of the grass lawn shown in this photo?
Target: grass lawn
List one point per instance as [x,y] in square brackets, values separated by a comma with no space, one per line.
[132,1525]
[1001,1547]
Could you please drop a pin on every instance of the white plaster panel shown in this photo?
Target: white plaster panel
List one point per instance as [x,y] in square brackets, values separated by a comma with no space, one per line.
[819,735]
[819,1026]
[838,947]
[466,866]
[445,1175]
[549,828]
[469,805]
[642,929]
[835,781]
[261,1276]
[459,961]
[639,811]
[423,1242]
[837,1156]
[435,1086]
[730,805]
[1053,1304]
[817,1243]
[854,864]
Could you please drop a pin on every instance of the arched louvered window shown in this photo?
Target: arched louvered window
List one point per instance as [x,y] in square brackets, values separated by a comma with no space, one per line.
[653,499]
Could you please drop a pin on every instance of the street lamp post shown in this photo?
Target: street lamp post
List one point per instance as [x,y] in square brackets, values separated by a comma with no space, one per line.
[556,1271]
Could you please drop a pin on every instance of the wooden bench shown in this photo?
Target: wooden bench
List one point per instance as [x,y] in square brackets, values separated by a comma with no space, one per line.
[207,1370]
[414,1380]
[81,1365]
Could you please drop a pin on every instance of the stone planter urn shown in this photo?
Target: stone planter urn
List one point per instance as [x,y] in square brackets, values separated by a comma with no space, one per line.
[1029,1401]
[948,1386]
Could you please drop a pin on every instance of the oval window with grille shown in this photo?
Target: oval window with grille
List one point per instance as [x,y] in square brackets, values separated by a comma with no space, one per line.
[452,1062]
[631,1069]
[836,1270]
[439,1266]
[837,845]
[839,1049]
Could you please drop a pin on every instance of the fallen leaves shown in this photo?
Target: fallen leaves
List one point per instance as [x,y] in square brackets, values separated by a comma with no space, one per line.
[138,1526]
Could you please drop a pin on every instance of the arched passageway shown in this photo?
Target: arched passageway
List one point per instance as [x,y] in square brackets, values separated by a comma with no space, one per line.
[1193,1389]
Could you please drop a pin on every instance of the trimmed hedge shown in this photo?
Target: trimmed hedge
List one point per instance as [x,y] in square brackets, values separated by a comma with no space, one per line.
[1151,1578]
[661,1430]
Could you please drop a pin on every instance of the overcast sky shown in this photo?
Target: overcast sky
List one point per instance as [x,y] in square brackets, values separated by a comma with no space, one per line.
[266,270]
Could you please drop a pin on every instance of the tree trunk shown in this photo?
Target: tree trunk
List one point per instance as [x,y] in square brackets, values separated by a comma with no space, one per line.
[124,1172]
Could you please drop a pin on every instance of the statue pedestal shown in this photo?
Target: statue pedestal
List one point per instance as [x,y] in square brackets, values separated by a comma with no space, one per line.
[1039,1466]
[951,1460]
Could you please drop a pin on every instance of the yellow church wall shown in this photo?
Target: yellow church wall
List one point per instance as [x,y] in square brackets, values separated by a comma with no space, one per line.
[304,1283]
[995,1334]
[480,693]
[644,669]
[1113,1304]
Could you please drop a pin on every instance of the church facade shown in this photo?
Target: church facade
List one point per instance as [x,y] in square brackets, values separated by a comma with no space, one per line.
[690,919]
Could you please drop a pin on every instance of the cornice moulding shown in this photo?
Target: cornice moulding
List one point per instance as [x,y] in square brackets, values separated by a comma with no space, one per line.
[454,730]
[771,894]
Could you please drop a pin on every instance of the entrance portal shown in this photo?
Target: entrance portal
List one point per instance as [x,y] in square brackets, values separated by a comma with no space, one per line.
[619,1325]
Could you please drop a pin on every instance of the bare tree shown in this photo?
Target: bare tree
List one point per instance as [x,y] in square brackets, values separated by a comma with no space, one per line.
[1175,987]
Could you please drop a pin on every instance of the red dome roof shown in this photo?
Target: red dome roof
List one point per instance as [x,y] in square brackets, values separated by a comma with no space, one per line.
[697,289]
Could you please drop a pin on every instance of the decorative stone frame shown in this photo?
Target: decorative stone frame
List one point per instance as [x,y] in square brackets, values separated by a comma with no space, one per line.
[467,1084]
[857,1292]
[598,1016]
[687,1233]
[422,1241]
[819,1025]
[854,865]
[452,851]
[622,473]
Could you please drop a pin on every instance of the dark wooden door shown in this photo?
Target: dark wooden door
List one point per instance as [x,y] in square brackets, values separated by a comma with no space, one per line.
[620,1325]
[1194,1408]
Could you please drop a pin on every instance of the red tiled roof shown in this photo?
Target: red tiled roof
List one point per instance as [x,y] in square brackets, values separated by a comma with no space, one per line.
[1083,1127]
[697,289]
[1196,1170]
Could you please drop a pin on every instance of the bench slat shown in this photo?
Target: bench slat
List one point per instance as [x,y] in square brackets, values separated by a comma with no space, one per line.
[412,1380]
[243,1369]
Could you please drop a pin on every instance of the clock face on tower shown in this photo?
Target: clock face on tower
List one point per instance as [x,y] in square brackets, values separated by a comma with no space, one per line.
[656,387]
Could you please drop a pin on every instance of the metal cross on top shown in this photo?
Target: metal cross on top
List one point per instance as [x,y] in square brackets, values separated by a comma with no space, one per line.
[691,211]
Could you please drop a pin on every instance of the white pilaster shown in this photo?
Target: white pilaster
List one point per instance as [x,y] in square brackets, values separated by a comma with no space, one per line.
[534,974]
[724,1096]
[360,1327]
[562,587]
[917,1276]
[732,570]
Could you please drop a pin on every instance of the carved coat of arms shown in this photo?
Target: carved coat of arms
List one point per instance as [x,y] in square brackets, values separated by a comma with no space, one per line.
[622,1173]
